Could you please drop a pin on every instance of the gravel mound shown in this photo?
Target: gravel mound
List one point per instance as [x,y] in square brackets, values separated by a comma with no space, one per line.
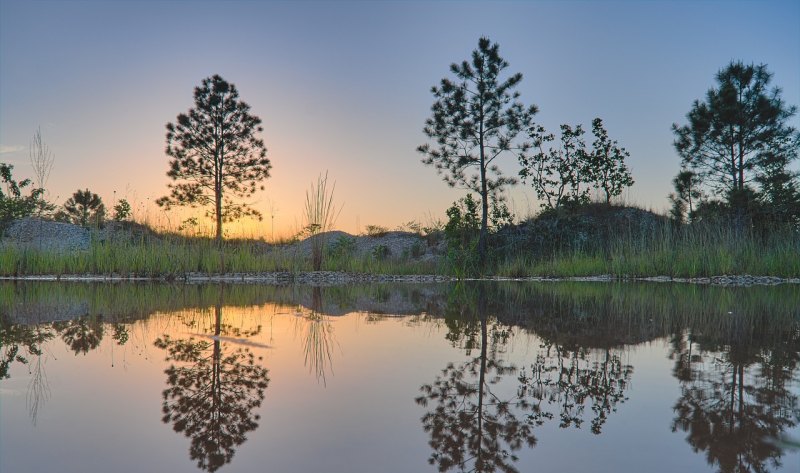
[388,245]
[46,235]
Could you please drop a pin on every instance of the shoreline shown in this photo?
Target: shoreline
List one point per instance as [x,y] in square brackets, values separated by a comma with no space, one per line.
[341,278]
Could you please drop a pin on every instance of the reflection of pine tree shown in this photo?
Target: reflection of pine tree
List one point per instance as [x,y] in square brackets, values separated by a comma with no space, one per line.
[211,396]
[472,428]
[738,404]
[572,379]
[83,334]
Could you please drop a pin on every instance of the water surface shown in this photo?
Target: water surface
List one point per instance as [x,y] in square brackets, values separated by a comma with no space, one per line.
[395,378]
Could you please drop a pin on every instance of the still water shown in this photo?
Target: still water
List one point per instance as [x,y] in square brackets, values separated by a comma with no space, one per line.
[486,377]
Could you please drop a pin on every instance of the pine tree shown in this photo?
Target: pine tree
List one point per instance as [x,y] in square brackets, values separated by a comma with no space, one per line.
[475,119]
[217,159]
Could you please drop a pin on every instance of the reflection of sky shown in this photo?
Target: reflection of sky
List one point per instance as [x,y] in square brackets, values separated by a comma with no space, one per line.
[345,86]
[363,419]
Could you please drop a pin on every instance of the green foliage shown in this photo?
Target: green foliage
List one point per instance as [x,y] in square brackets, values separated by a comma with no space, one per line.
[122,210]
[217,159]
[343,247]
[376,230]
[701,249]
[780,193]
[563,173]
[687,195]
[411,226]
[559,173]
[416,250]
[84,208]
[475,119]
[320,216]
[172,257]
[607,163]
[381,252]
[462,233]
[740,131]
[13,204]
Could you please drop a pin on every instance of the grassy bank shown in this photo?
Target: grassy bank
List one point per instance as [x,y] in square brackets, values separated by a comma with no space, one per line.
[682,252]
[172,258]
[688,252]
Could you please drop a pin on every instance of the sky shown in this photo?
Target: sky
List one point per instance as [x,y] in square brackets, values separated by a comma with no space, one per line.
[344,87]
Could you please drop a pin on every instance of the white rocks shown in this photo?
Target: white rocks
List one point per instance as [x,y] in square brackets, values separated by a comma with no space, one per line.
[46,235]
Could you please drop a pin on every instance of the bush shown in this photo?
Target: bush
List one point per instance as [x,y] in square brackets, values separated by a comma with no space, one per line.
[343,247]
[381,252]
[376,230]
[14,205]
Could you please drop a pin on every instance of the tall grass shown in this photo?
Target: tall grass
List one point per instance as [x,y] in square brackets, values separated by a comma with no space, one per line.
[174,258]
[678,252]
[320,215]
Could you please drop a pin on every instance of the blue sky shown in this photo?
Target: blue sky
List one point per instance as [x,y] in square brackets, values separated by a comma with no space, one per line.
[345,86]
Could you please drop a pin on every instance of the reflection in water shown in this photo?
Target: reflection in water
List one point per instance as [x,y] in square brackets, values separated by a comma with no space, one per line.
[573,379]
[20,341]
[211,395]
[318,337]
[82,334]
[736,372]
[38,389]
[735,400]
[735,355]
[471,427]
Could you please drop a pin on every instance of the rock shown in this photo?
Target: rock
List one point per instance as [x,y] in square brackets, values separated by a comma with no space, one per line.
[46,235]
[403,245]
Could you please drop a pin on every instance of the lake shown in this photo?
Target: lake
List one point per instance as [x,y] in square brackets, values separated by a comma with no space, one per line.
[486,377]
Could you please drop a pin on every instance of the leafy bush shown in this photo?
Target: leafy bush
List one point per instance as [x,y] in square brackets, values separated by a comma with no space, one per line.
[381,252]
[13,204]
[343,247]
[376,230]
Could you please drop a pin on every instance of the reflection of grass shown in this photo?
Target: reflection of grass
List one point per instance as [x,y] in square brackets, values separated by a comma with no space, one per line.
[607,313]
[318,343]
[610,314]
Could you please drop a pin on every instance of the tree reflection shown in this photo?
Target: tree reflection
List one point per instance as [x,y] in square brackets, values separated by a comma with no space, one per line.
[19,342]
[82,334]
[472,428]
[211,395]
[571,379]
[736,399]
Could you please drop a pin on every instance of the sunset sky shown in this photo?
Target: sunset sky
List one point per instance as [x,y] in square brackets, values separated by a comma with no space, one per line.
[345,87]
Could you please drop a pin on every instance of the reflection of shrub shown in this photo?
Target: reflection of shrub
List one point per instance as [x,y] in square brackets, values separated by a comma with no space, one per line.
[381,252]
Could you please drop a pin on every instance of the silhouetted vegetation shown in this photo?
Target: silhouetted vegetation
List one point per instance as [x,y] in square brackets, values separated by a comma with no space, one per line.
[84,208]
[735,208]
[475,120]
[13,203]
[740,144]
[217,157]
[564,175]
